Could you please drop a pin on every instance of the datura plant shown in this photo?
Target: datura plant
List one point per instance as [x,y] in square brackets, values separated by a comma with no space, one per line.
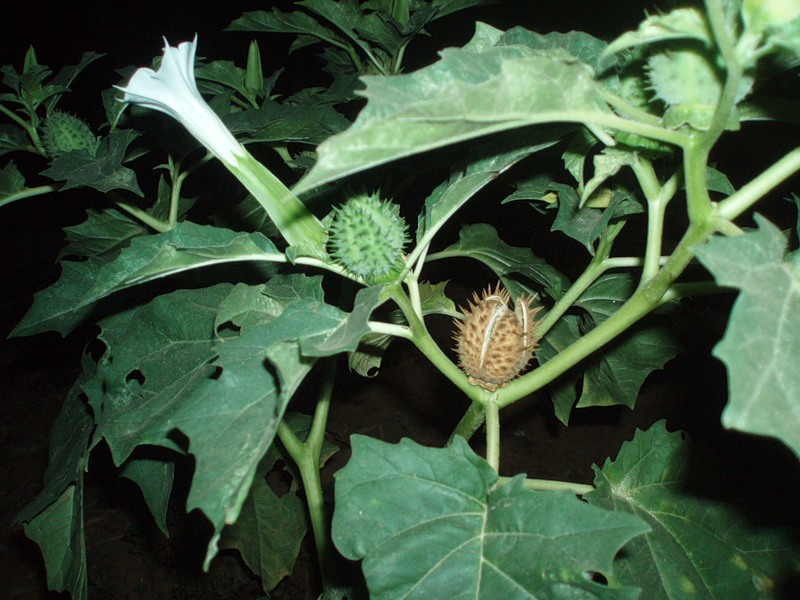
[319,260]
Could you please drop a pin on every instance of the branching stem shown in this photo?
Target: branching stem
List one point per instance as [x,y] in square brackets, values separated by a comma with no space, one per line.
[306,456]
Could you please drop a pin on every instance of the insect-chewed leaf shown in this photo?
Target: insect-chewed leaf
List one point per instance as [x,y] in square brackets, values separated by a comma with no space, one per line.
[433,523]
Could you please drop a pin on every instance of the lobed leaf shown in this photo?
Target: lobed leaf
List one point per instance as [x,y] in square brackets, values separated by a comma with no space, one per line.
[12,182]
[103,172]
[482,167]
[268,533]
[434,523]
[480,242]
[678,24]
[62,306]
[58,530]
[154,477]
[615,375]
[465,95]
[173,366]
[586,224]
[697,546]
[54,519]
[102,233]
[761,346]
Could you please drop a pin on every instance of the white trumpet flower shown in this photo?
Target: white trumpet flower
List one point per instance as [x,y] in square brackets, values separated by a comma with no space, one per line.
[173,90]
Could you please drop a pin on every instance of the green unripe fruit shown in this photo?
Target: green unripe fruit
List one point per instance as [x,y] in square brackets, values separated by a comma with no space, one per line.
[64,132]
[367,237]
[690,82]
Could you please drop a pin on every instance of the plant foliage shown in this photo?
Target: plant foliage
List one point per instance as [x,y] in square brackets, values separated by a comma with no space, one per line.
[215,308]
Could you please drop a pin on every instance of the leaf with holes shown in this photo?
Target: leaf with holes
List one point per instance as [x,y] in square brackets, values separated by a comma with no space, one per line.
[435,523]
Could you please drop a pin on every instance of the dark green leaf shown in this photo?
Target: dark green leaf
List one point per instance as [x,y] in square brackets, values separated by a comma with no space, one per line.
[188,246]
[67,74]
[101,233]
[615,375]
[483,167]
[69,440]
[564,390]
[698,547]
[12,183]
[480,242]
[58,530]
[761,346]
[156,356]
[273,122]
[268,533]
[14,138]
[446,7]
[54,520]
[277,21]
[345,15]
[168,369]
[247,306]
[103,172]
[717,181]
[224,72]
[434,523]
[586,224]
[465,95]
[60,307]
[154,477]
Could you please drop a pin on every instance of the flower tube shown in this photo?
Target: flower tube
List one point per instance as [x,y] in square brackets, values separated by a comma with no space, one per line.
[173,90]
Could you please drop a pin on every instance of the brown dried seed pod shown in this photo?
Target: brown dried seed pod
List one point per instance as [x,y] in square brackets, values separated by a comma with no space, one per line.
[495,343]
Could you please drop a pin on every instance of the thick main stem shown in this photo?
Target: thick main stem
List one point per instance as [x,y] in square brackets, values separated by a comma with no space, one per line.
[644,300]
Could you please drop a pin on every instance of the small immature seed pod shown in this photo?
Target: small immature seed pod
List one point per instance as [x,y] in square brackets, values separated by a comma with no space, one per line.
[495,343]
[64,132]
[367,237]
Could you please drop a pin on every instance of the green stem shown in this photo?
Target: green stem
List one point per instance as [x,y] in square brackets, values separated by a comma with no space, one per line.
[28,127]
[392,329]
[587,278]
[719,27]
[425,344]
[658,198]
[469,423]
[695,288]
[28,193]
[149,220]
[596,267]
[738,202]
[695,159]
[306,456]
[548,485]
[493,433]
[628,110]
[646,298]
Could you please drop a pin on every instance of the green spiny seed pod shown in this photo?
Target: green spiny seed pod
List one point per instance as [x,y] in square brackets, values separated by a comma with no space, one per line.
[367,237]
[690,82]
[64,132]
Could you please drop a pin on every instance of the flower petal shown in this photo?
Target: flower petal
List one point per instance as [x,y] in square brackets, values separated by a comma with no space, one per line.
[173,90]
